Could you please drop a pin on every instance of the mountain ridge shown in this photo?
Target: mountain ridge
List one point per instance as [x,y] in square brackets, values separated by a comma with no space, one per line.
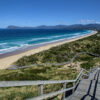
[74,26]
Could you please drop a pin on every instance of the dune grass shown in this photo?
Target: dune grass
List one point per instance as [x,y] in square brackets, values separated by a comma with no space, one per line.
[20,93]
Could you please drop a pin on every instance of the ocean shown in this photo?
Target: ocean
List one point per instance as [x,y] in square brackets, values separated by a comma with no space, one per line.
[16,39]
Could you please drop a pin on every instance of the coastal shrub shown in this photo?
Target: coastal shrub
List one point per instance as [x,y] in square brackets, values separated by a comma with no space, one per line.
[87,65]
[84,57]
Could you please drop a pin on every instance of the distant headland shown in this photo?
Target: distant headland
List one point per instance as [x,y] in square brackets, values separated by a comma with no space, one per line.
[69,27]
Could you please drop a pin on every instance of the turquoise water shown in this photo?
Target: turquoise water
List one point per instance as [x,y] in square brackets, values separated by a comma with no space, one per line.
[14,39]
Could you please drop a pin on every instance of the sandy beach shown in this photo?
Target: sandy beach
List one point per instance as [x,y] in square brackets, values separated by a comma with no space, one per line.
[5,62]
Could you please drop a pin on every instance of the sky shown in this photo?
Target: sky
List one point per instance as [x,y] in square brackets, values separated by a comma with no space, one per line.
[48,12]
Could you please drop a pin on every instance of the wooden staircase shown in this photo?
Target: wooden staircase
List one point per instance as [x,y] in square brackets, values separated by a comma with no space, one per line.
[88,89]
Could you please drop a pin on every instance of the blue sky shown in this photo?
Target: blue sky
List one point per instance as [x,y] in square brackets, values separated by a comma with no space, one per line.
[48,12]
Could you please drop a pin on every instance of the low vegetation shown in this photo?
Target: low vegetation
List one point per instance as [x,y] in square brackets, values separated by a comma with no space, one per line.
[33,73]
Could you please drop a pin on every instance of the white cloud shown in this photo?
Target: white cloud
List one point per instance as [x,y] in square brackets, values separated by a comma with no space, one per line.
[89,21]
[98,22]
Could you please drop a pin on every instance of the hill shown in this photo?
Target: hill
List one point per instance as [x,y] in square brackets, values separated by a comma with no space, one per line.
[68,27]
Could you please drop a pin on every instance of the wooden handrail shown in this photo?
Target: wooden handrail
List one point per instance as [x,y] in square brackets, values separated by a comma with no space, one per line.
[41,83]
[25,83]
[41,97]
[56,64]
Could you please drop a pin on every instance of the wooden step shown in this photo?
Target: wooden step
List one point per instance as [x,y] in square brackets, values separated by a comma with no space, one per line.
[88,89]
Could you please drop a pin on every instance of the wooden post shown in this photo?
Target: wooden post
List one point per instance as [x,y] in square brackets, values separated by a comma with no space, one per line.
[40,89]
[81,77]
[90,69]
[64,93]
[73,88]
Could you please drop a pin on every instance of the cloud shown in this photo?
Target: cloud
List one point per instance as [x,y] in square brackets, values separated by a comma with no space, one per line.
[98,22]
[88,21]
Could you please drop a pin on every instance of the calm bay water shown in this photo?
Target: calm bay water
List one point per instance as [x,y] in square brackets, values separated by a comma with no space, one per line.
[14,39]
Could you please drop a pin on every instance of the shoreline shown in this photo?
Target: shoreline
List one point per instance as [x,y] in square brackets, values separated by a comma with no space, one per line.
[7,59]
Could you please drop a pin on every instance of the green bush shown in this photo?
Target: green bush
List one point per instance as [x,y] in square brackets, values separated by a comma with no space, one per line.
[87,65]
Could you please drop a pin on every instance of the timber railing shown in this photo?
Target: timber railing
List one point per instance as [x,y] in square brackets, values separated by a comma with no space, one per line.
[13,67]
[40,84]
